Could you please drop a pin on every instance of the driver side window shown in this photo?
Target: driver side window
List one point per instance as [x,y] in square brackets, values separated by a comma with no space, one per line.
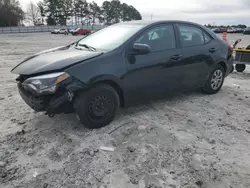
[159,38]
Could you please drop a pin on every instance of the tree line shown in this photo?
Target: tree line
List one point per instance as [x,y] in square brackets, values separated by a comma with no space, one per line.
[55,12]
[81,12]
[77,12]
[11,13]
[227,26]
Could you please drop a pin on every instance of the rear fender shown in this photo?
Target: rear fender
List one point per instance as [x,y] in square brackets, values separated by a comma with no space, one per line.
[223,61]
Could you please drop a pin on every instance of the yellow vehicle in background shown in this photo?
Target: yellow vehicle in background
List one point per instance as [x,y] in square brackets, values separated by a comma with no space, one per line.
[241,57]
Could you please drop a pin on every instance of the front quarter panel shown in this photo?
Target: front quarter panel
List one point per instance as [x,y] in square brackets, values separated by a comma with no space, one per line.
[109,66]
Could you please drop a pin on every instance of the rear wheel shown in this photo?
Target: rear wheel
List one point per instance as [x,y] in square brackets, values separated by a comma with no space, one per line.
[240,67]
[232,69]
[97,107]
[215,80]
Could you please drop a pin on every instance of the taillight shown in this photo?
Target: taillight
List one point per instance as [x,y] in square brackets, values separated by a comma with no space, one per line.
[230,48]
[230,52]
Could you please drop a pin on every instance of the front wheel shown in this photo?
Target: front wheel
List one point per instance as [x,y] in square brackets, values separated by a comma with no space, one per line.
[215,80]
[97,107]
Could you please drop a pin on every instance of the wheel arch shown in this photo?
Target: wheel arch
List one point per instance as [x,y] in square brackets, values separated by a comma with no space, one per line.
[223,64]
[114,82]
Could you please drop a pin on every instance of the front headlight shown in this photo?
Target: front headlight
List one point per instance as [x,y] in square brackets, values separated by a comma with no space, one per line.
[45,84]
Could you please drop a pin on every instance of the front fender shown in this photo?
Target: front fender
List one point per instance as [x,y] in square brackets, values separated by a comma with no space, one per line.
[107,78]
[108,67]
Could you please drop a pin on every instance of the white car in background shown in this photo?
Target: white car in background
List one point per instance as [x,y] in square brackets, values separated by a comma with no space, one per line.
[230,30]
[60,31]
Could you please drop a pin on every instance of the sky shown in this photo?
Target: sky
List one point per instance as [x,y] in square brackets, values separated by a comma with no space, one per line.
[217,12]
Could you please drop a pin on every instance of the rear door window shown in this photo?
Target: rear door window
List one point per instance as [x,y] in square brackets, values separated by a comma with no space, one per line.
[191,36]
[207,38]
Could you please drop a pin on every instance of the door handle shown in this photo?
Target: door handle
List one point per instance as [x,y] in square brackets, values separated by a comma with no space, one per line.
[212,50]
[176,57]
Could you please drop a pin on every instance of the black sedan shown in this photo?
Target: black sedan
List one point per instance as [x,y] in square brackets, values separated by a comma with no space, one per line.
[123,64]
[216,30]
[246,31]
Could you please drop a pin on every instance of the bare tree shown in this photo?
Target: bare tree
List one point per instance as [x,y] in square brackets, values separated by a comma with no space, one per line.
[40,6]
[33,14]
[11,13]
[81,8]
[59,11]
[95,11]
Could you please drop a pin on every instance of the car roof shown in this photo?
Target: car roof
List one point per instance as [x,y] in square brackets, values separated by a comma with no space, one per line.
[153,22]
[148,23]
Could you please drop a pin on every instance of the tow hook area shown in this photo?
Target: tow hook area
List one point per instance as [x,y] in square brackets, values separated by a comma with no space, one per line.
[50,114]
[59,104]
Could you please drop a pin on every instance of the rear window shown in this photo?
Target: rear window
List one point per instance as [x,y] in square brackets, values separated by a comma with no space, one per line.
[207,38]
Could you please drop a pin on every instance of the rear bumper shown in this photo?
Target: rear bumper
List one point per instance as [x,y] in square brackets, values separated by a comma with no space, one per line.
[230,66]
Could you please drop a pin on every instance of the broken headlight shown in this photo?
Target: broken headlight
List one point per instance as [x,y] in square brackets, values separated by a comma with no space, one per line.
[45,84]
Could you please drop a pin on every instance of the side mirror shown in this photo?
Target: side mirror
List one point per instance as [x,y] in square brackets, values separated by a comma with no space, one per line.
[140,49]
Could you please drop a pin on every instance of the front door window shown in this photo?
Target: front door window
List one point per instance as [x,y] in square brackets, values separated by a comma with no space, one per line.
[159,38]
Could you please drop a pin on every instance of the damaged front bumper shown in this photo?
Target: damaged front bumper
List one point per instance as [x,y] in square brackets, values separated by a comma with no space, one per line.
[51,104]
[59,102]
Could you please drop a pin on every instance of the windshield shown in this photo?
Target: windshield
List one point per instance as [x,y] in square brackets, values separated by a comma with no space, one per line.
[110,37]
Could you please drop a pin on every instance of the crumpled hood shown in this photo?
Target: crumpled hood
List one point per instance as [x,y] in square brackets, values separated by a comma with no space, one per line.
[53,59]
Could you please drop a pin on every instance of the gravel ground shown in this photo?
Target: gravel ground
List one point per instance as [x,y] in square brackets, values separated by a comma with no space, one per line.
[186,141]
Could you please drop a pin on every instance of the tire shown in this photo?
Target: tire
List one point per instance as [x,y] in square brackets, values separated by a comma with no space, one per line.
[240,67]
[232,69]
[97,107]
[215,80]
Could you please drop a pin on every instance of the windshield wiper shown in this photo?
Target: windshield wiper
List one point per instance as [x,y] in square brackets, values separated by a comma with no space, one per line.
[78,48]
[88,47]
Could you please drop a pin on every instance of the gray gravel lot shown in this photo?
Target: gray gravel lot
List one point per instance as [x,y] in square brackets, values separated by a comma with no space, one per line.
[186,141]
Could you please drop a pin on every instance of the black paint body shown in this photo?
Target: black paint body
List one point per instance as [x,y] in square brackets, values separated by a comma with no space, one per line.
[136,76]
